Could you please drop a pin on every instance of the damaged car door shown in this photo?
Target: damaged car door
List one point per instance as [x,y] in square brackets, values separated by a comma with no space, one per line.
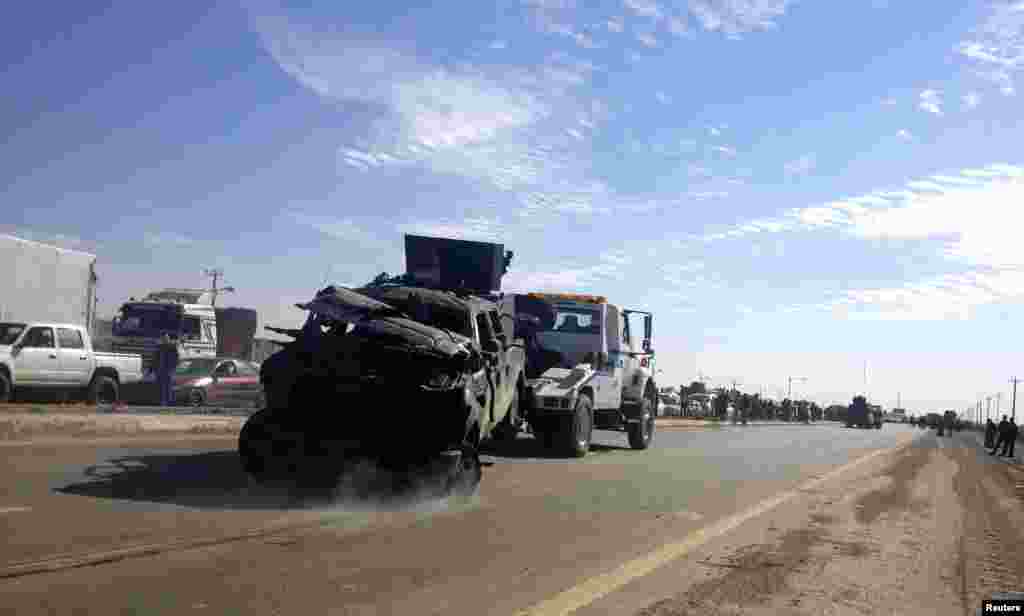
[494,354]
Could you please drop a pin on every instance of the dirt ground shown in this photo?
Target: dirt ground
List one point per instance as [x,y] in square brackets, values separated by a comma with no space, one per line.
[934,532]
[47,424]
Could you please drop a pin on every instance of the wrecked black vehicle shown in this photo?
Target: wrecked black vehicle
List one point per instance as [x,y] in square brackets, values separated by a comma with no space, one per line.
[409,378]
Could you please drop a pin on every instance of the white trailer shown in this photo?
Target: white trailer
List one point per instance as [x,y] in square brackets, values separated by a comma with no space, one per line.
[39,282]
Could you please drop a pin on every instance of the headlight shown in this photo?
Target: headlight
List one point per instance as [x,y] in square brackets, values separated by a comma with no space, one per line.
[440,380]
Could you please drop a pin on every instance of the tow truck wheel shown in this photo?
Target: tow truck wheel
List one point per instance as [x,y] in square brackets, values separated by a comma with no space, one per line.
[640,434]
[578,428]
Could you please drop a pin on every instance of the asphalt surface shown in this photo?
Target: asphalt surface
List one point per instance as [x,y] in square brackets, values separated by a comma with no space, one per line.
[171,525]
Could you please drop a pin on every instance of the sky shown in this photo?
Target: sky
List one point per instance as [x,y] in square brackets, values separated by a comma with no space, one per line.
[808,189]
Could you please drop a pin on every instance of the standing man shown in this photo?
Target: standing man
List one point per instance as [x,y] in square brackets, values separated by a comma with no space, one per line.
[1011,438]
[1001,433]
[990,434]
[167,362]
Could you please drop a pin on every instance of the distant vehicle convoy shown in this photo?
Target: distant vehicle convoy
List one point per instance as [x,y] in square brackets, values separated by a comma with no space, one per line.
[860,414]
[60,357]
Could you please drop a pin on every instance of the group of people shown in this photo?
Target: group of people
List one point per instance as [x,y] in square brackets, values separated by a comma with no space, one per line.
[1003,435]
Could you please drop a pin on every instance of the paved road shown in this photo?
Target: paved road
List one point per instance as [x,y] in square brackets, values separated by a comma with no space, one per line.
[171,525]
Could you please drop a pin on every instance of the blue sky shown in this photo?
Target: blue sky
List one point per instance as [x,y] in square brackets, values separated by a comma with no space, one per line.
[793,187]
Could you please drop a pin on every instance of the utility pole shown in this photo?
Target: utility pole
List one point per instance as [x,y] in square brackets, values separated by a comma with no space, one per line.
[790,380]
[999,397]
[1014,380]
[216,274]
[988,406]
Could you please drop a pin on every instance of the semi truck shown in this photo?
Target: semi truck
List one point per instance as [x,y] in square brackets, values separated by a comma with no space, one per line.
[40,282]
[200,329]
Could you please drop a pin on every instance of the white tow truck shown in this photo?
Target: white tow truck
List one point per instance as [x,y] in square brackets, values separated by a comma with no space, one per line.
[59,356]
[587,369]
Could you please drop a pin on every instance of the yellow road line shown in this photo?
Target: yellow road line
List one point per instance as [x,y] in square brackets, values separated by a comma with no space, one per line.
[591,590]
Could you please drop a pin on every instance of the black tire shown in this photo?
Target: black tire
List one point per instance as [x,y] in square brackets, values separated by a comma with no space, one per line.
[104,390]
[257,448]
[196,398]
[577,430]
[641,434]
[5,388]
[508,429]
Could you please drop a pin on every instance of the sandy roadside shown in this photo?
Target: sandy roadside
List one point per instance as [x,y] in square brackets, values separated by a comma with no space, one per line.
[33,426]
[932,530]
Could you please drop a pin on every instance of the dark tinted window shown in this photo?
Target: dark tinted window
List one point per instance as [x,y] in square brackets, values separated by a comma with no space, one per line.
[191,329]
[70,338]
[39,338]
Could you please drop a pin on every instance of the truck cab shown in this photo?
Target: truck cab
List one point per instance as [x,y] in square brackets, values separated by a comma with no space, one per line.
[590,366]
[139,326]
[60,357]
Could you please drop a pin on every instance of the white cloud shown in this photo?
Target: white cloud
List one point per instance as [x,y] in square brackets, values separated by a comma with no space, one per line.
[678,27]
[662,98]
[904,134]
[644,8]
[801,166]
[996,47]
[972,100]
[726,150]
[714,131]
[930,102]
[499,44]
[615,24]
[479,228]
[734,17]
[647,39]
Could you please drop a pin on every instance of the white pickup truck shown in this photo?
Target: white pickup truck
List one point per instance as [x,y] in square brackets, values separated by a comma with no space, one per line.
[59,356]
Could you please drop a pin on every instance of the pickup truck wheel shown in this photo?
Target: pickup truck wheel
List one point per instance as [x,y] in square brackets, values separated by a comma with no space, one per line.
[640,434]
[5,388]
[196,398]
[103,390]
[578,429]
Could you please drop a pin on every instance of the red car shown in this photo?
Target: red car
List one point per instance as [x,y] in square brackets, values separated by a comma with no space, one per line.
[221,381]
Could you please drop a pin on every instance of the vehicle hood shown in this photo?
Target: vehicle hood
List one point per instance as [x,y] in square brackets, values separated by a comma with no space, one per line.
[561,381]
[381,322]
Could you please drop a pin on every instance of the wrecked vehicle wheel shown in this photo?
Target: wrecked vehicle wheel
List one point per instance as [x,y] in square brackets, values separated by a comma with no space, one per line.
[578,428]
[266,451]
